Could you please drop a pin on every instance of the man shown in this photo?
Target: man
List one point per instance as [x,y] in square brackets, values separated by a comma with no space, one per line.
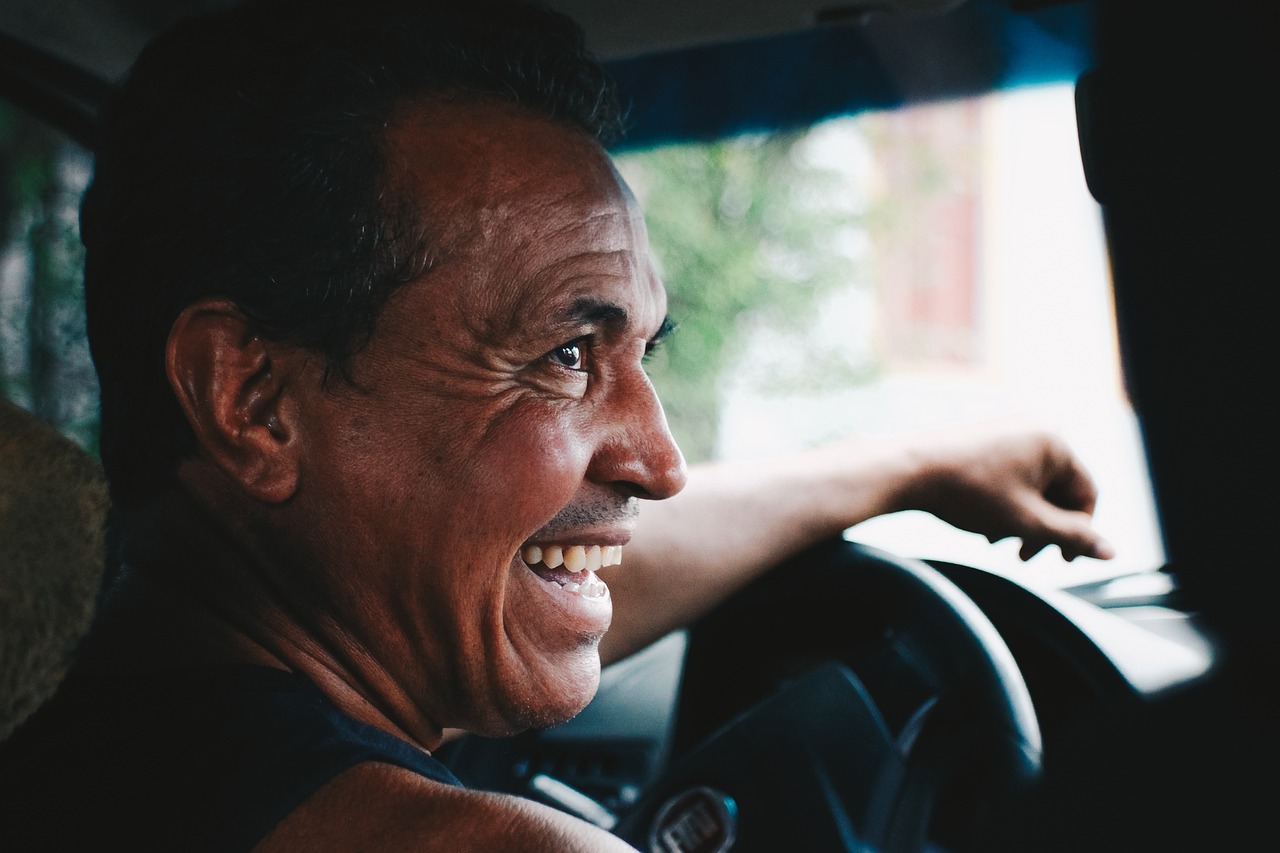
[369,306]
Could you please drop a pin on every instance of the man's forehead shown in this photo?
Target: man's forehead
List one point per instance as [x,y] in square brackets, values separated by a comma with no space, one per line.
[488,155]
[617,292]
[531,218]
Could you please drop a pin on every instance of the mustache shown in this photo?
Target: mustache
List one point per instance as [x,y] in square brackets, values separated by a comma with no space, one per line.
[623,510]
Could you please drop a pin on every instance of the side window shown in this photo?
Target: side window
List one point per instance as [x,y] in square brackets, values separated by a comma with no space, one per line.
[894,271]
[44,357]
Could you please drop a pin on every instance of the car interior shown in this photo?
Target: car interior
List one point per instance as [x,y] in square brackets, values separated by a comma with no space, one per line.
[875,693]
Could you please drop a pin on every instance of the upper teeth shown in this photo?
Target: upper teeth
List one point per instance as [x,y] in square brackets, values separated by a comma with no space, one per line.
[574,558]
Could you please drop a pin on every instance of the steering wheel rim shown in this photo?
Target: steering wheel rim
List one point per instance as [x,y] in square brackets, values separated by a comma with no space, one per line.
[931,686]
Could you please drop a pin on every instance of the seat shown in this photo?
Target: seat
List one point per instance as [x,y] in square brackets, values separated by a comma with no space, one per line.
[53,504]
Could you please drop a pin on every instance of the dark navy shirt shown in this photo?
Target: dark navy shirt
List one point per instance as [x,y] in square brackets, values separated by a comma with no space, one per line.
[206,759]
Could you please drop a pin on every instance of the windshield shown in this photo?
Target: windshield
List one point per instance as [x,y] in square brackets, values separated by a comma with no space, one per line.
[896,271]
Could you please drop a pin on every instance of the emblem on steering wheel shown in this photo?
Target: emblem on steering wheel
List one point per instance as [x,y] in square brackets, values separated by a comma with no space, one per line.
[698,820]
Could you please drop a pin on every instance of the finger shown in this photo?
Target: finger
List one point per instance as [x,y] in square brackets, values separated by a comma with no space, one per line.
[1072,531]
[1030,547]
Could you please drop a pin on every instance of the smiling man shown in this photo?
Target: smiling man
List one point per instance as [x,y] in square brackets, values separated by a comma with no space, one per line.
[487,449]
[422,536]
[369,305]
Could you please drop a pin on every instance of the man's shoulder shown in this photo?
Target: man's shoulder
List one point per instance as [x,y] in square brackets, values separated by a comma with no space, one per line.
[379,807]
[204,758]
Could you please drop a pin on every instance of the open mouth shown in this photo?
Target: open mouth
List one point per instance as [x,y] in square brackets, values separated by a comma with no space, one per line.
[572,567]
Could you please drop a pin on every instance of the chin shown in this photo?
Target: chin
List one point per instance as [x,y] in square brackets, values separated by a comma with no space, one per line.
[552,700]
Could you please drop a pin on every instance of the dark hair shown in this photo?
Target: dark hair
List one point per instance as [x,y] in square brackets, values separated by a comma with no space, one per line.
[242,158]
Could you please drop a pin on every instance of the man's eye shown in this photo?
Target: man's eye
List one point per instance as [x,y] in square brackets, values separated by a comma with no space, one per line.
[568,355]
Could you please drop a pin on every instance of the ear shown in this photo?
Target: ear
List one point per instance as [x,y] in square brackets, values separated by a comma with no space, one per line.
[234,387]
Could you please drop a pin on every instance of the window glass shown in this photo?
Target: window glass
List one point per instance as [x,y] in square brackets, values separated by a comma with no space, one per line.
[44,357]
[891,272]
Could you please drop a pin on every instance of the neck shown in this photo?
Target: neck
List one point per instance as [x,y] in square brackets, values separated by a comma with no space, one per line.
[194,593]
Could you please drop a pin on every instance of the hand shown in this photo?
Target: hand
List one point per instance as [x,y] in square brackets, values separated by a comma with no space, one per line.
[1009,478]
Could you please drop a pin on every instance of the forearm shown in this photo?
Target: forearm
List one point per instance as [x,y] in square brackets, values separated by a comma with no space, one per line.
[735,520]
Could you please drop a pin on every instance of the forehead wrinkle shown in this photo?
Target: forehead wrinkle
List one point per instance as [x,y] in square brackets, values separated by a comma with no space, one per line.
[598,241]
[452,157]
[603,234]
[598,265]
[567,200]
[569,291]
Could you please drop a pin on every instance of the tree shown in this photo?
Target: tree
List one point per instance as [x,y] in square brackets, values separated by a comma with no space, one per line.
[44,356]
[749,234]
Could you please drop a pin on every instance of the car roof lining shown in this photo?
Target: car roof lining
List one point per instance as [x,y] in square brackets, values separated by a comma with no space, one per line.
[60,65]
[722,90]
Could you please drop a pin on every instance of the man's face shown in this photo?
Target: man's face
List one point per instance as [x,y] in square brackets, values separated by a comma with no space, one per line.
[500,411]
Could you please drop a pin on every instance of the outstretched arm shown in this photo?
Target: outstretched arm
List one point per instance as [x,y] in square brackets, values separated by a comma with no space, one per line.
[736,519]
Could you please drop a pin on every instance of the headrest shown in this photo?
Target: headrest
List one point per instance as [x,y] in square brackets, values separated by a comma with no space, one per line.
[53,504]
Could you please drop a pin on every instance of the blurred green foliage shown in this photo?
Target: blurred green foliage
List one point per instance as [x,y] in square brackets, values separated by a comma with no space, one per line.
[746,235]
[44,357]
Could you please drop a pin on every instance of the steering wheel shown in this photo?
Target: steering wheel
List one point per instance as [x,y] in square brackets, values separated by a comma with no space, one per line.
[851,700]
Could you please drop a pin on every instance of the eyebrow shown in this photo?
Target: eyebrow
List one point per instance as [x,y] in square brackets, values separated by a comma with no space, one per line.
[587,309]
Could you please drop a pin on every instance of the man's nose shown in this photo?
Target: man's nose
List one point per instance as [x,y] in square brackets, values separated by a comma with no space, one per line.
[636,452]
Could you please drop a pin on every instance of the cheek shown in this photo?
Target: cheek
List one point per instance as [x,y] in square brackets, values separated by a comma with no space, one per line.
[459,486]
[532,463]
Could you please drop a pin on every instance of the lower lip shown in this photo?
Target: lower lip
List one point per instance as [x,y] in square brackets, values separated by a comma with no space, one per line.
[581,615]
